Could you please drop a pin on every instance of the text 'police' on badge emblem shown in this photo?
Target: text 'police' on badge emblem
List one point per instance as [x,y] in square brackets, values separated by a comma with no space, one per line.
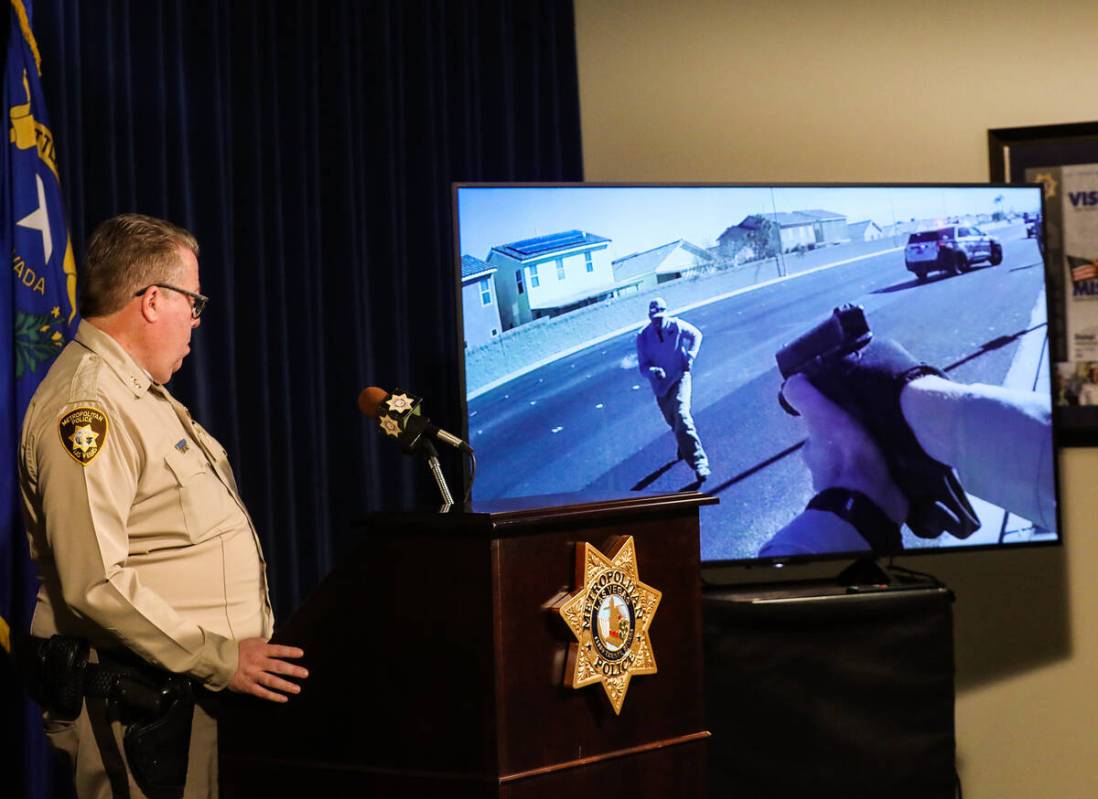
[609,614]
[83,433]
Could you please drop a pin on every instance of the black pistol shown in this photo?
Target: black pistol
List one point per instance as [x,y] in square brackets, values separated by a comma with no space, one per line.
[864,377]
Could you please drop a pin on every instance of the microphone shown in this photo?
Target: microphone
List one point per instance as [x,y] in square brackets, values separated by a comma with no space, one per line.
[399,416]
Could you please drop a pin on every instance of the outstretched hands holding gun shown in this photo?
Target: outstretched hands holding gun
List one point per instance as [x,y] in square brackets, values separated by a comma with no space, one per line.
[898,433]
[840,453]
[864,378]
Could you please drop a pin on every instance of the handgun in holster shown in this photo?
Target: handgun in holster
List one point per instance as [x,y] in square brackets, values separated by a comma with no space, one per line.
[155,706]
[841,359]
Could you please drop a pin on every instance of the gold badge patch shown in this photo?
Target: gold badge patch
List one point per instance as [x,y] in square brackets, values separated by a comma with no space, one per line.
[609,615]
[83,433]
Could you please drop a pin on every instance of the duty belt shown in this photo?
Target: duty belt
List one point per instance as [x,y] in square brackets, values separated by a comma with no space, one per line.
[155,705]
[60,676]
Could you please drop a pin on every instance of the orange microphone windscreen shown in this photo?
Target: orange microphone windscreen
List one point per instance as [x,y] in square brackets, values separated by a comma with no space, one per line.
[369,401]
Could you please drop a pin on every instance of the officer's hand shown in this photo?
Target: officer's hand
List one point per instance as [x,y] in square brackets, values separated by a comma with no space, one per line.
[259,666]
[657,372]
[840,453]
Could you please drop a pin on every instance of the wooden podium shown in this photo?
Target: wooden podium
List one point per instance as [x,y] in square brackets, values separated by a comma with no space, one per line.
[437,664]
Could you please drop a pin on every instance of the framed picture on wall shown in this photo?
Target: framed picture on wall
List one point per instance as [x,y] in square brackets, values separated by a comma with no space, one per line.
[1064,158]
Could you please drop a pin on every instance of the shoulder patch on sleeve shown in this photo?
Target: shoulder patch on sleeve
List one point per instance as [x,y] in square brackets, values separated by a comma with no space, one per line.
[83,433]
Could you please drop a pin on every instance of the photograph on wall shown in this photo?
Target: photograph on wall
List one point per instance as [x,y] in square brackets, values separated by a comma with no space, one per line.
[625,339]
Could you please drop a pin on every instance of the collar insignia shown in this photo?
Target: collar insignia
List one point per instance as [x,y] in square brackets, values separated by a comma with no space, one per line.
[609,614]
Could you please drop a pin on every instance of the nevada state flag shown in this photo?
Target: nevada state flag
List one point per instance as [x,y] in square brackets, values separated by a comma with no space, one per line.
[37,316]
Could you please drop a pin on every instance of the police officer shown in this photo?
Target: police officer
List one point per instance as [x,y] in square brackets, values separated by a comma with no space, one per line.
[143,545]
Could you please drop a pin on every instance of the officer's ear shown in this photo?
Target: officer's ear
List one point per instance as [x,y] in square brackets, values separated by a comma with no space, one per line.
[150,299]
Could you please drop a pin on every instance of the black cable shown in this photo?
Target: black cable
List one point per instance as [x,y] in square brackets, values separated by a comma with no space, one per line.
[912,573]
[472,475]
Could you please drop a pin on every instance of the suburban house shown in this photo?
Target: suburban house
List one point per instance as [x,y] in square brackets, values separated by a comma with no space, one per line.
[865,230]
[479,308]
[828,227]
[736,241]
[647,269]
[796,230]
[550,275]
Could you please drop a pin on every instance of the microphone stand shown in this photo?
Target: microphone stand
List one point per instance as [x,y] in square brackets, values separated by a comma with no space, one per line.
[427,449]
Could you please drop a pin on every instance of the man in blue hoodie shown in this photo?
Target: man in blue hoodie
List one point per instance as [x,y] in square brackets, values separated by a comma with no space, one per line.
[666,349]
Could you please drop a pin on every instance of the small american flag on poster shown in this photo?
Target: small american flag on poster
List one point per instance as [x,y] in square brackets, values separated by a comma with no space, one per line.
[1082,268]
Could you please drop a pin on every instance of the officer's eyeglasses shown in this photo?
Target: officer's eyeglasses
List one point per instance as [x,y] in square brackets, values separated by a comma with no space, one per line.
[198,301]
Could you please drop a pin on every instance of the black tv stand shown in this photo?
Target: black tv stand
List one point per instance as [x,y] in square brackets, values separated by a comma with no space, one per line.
[862,576]
[836,687]
[864,572]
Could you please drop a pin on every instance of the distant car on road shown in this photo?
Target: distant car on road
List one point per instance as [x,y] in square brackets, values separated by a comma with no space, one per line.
[1033,225]
[953,249]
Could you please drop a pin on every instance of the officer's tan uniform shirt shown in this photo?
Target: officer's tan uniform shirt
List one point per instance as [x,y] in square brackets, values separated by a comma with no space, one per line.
[147,542]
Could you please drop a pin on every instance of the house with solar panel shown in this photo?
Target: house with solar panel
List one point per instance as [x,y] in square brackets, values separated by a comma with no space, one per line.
[669,261]
[550,275]
[479,307]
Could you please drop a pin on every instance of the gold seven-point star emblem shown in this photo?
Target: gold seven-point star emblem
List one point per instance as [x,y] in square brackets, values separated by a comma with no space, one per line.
[609,614]
[1049,181]
[83,438]
[389,425]
[399,403]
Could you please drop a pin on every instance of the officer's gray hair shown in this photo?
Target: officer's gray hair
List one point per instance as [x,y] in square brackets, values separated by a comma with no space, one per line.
[127,253]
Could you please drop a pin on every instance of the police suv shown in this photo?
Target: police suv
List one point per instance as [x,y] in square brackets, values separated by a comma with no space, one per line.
[953,249]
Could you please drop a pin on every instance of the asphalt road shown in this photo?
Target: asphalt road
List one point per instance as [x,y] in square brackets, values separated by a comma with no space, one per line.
[589,421]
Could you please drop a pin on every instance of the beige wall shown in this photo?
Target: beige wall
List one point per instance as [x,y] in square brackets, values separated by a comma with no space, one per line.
[759,90]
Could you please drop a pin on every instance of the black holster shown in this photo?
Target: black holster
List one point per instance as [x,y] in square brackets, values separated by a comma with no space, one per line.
[157,744]
[155,706]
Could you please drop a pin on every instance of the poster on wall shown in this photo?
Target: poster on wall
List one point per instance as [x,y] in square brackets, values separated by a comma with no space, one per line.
[1071,207]
[1064,159]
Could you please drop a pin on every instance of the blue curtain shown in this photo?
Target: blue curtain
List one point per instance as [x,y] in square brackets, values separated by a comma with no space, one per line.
[310,147]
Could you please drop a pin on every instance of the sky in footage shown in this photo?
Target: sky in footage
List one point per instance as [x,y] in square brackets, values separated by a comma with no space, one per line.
[639,218]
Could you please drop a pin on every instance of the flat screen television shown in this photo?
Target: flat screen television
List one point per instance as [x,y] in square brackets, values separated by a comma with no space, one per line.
[558,280]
